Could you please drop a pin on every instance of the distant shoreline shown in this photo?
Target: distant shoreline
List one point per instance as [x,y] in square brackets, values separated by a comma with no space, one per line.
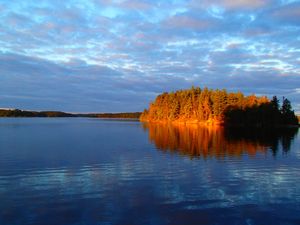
[31,114]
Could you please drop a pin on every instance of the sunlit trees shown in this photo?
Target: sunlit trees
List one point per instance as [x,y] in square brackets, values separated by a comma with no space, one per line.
[219,106]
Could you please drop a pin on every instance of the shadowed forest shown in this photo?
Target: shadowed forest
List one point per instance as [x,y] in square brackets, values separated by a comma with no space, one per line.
[220,107]
[217,142]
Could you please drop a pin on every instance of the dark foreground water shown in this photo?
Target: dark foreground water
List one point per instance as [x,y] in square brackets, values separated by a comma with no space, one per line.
[90,171]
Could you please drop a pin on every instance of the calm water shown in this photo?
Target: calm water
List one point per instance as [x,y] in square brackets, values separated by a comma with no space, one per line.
[91,171]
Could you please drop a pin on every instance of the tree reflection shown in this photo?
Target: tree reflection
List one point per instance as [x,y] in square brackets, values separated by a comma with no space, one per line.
[218,142]
[274,139]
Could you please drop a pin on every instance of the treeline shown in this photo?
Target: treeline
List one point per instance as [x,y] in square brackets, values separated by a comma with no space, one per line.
[23,113]
[127,115]
[219,107]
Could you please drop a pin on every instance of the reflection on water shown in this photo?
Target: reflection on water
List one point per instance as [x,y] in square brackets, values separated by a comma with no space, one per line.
[81,171]
[219,142]
[272,138]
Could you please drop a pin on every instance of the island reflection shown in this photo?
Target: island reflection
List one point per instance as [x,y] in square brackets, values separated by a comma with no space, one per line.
[218,142]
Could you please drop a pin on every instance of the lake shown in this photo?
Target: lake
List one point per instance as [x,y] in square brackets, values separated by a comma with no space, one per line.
[92,171]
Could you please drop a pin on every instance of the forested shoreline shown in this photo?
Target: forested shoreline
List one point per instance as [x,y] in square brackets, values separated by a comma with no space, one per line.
[219,107]
[125,115]
[24,113]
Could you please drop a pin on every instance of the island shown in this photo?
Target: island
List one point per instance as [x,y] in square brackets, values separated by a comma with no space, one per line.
[219,107]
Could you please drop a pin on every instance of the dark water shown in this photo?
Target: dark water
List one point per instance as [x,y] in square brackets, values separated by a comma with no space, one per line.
[89,171]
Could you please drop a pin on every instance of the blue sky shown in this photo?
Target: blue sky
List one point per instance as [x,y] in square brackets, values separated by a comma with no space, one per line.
[117,55]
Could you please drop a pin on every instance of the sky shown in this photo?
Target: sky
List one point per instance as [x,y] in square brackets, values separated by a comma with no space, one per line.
[118,55]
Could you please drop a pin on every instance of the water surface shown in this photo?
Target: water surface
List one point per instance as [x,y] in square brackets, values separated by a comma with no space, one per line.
[91,171]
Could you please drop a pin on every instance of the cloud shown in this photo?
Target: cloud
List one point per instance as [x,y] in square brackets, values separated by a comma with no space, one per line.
[232,5]
[104,55]
[135,5]
[187,22]
[244,4]
[288,14]
[33,81]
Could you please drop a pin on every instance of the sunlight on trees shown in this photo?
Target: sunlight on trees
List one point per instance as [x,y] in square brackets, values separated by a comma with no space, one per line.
[219,107]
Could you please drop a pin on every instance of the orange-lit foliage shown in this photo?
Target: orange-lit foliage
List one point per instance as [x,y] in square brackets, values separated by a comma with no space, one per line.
[216,107]
[215,142]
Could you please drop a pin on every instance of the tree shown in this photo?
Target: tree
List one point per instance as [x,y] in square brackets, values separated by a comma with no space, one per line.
[286,107]
[275,103]
[288,115]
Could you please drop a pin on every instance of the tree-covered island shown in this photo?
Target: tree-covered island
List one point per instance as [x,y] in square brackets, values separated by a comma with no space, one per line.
[219,107]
